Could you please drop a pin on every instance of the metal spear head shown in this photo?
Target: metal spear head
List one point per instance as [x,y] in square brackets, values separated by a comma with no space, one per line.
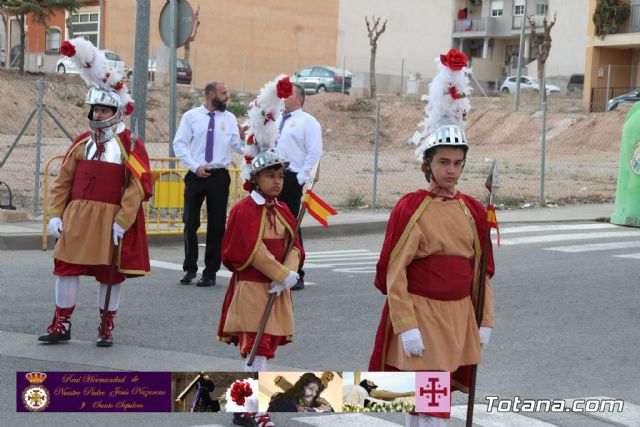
[493,180]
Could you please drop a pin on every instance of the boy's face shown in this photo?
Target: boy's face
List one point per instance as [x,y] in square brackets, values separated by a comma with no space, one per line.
[446,166]
[270,181]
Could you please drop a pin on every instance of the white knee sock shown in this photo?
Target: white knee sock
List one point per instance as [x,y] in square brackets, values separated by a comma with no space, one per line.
[429,421]
[114,298]
[259,364]
[410,420]
[67,288]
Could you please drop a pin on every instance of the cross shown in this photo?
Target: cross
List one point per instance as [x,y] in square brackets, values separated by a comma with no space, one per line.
[433,391]
[36,398]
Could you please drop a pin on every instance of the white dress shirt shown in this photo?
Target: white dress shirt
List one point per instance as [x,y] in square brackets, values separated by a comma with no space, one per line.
[191,138]
[301,143]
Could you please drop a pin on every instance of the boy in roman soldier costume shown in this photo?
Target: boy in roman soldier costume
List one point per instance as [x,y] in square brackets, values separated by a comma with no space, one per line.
[430,260]
[96,201]
[259,230]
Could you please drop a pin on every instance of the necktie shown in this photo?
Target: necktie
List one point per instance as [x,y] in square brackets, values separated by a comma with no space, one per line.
[284,119]
[208,151]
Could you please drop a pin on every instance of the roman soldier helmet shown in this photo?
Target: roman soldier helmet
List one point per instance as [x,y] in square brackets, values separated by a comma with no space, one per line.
[447,107]
[262,134]
[106,85]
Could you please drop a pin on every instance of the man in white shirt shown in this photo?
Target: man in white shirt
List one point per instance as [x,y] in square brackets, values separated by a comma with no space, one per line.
[301,143]
[203,143]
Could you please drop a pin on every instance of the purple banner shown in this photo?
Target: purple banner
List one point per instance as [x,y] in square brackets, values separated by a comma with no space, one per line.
[93,391]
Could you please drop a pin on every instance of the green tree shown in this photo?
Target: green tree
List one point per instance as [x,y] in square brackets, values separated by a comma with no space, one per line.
[39,10]
[609,16]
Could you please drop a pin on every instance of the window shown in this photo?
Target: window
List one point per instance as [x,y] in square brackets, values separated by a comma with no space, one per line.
[518,8]
[542,8]
[52,40]
[85,25]
[305,73]
[497,7]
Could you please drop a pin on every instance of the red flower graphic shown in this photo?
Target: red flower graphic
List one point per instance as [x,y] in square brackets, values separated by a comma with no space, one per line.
[239,390]
[454,92]
[129,109]
[67,49]
[454,59]
[250,140]
[285,88]
[118,86]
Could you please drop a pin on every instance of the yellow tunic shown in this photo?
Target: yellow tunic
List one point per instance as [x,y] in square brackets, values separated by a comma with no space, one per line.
[250,298]
[87,236]
[448,328]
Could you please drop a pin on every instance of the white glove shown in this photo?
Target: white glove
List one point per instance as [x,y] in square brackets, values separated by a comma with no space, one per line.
[55,227]
[302,178]
[412,342]
[485,335]
[288,282]
[118,232]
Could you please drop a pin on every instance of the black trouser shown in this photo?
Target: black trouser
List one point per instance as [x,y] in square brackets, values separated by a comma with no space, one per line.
[215,189]
[292,195]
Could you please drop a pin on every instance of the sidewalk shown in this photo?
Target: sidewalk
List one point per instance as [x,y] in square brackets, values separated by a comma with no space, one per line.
[28,235]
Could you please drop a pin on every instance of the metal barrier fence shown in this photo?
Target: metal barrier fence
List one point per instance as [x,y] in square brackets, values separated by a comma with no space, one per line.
[163,212]
[581,148]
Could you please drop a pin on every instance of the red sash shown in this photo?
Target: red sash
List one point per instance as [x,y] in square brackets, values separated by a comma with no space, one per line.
[98,181]
[441,277]
[251,274]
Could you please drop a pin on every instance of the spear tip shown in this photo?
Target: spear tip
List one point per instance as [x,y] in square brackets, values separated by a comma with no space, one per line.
[493,180]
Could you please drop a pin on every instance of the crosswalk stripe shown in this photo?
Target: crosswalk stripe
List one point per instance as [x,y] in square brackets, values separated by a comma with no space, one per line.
[352,420]
[496,419]
[555,227]
[336,252]
[345,258]
[596,247]
[338,264]
[630,415]
[632,256]
[561,237]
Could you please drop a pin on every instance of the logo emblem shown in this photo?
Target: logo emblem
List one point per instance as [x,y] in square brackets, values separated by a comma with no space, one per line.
[433,391]
[635,158]
[36,397]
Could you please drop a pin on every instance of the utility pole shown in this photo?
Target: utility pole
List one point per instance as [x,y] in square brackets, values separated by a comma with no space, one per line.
[140,67]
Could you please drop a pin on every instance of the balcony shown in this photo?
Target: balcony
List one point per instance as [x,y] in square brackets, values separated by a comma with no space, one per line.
[516,22]
[473,27]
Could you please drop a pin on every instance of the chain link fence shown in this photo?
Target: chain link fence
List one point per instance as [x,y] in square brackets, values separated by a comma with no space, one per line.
[581,151]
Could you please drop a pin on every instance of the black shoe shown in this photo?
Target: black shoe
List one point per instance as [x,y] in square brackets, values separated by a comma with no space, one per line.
[54,338]
[104,342]
[299,285]
[206,281]
[241,421]
[187,277]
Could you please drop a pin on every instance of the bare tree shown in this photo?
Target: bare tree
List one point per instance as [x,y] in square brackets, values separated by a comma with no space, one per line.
[374,32]
[187,45]
[540,51]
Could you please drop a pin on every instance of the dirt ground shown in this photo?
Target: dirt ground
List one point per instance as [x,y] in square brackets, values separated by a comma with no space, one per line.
[581,150]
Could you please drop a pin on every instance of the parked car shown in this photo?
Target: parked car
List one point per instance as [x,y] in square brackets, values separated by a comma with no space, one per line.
[323,79]
[184,72]
[576,82]
[632,96]
[66,66]
[526,83]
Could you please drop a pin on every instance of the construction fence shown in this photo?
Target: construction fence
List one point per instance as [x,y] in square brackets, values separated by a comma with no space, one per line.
[367,161]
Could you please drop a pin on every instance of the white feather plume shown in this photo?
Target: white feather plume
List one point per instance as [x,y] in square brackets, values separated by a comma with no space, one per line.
[94,70]
[263,114]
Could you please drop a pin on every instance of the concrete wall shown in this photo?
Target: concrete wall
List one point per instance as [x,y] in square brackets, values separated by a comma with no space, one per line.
[569,37]
[417,31]
[277,36]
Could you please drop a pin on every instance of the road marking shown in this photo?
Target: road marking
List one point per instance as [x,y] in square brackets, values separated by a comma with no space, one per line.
[555,227]
[632,256]
[311,254]
[354,420]
[221,273]
[630,415]
[345,257]
[562,237]
[597,247]
[340,264]
[496,419]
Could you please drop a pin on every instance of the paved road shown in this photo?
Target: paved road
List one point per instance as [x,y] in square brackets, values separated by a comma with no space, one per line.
[566,306]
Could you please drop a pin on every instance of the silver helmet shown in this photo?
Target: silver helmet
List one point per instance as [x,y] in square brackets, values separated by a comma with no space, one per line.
[267,159]
[447,135]
[105,98]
